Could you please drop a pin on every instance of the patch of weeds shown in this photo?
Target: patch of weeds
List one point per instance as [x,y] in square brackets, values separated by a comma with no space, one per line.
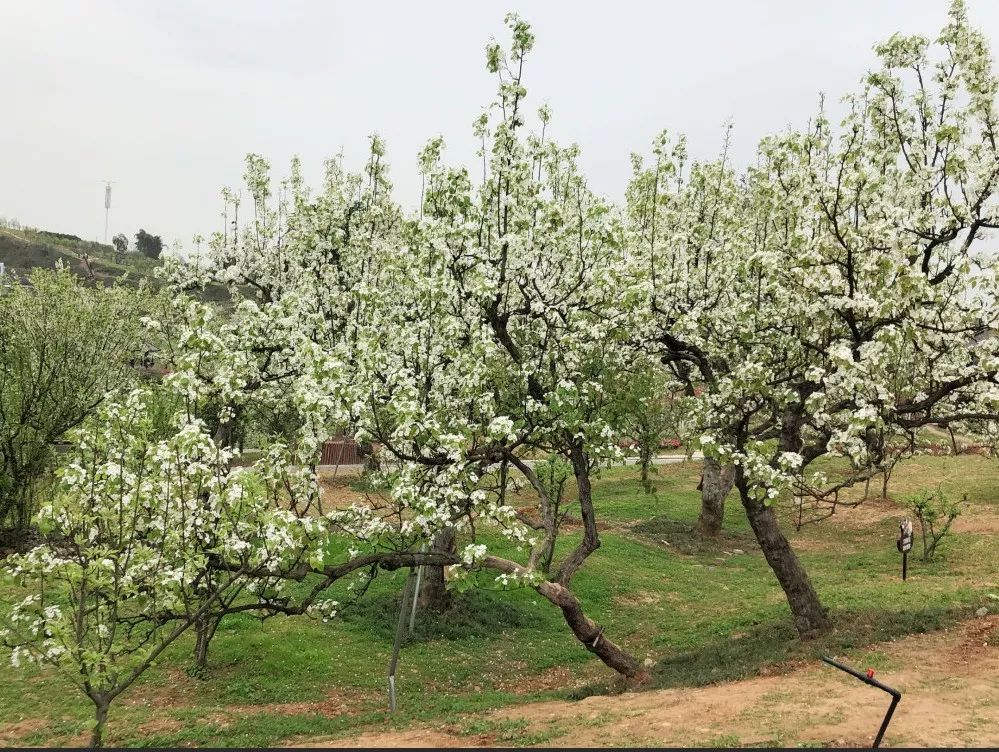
[587,690]
[725,740]
[56,729]
[197,672]
[361,484]
[947,682]
[833,717]
[514,731]
[876,659]
[598,688]
[598,720]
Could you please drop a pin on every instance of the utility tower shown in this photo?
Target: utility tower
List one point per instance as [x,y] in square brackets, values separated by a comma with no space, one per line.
[107,208]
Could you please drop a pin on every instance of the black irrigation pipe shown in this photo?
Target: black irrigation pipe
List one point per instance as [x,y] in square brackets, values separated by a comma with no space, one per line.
[868,678]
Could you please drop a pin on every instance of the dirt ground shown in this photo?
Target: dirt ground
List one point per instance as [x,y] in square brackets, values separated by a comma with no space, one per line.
[950,697]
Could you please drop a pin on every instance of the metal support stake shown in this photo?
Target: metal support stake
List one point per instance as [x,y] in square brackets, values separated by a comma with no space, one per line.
[400,628]
[896,696]
[416,596]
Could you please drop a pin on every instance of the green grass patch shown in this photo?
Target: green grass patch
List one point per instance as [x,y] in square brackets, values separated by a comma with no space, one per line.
[700,610]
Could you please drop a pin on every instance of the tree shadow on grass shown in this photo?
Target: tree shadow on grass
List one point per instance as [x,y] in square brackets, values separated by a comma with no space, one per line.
[474,613]
[762,650]
[768,648]
[681,537]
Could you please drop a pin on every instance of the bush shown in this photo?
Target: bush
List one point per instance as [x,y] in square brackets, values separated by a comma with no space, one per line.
[935,512]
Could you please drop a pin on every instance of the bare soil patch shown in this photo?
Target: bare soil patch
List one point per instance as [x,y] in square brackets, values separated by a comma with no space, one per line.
[421,738]
[556,677]
[337,703]
[11,733]
[335,487]
[174,691]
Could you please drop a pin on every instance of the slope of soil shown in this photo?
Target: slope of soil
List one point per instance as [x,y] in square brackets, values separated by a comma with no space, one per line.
[949,681]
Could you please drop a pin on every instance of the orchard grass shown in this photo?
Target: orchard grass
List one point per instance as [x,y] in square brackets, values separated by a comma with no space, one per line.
[701,611]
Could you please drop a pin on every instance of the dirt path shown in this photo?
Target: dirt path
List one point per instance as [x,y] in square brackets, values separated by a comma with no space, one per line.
[949,681]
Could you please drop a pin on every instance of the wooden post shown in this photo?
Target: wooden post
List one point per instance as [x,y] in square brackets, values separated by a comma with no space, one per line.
[904,545]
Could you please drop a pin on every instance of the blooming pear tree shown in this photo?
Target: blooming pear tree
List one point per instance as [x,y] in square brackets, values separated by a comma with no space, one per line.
[858,298]
[130,533]
[149,537]
[685,223]
[296,274]
[512,309]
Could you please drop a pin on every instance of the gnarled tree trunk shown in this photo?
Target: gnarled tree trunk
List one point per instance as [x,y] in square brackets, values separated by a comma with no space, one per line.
[434,595]
[205,628]
[810,616]
[589,632]
[591,540]
[716,483]
[584,628]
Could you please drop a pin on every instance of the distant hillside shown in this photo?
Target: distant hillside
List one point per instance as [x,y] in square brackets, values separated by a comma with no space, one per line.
[22,250]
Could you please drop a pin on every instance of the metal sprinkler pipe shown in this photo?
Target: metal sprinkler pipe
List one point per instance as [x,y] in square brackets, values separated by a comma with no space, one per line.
[868,678]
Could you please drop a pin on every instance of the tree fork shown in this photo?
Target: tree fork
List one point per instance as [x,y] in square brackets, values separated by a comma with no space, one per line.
[204,630]
[434,595]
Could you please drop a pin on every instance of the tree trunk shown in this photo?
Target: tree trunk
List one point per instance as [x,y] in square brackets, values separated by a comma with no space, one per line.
[809,615]
[585,629]
[645,460]
[204,631]
[716,483]
[100,721]
[551,525]
[591,538]
[589,632]
[434,595]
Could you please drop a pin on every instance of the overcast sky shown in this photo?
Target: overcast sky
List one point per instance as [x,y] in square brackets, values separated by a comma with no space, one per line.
[166,98]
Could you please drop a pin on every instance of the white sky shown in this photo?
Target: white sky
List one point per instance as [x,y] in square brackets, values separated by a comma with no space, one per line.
[166,98]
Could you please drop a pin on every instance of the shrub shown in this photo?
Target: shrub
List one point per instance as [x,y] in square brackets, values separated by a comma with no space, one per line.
[935,512]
